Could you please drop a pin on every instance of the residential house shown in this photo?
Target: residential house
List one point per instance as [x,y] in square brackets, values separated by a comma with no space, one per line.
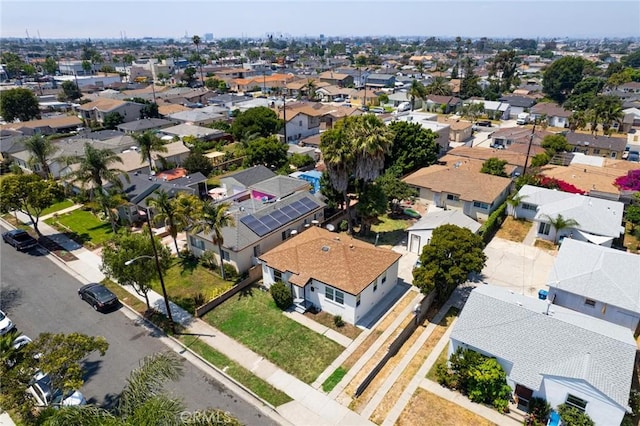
[399,97]
[380,80]
[442,104]
[199,116]
[604,146]
[331,93]
[336,79]
[144,124]
[265,83]
[45,126]
[472,159]
[96,110]
[591,178]
[202,133]
[550,352]
[176,154]
[363,97]
[10,143]
[337,274]
[631,122]
[494,109]
[238,182]
[476,194]
[599,220]
[630,87]
[460,131]
[421,231]
[555,115]
[518,104]
[262,222]
[304,119]
[429,123]
[509,136]
[299,87]
[597,281]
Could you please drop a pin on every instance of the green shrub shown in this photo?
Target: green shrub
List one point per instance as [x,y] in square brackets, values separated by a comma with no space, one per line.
[539,411]
[281,295]
[574,417]
[445,377]
[491,226]
[230,272]
[344,225]
[338,321]
[208,260]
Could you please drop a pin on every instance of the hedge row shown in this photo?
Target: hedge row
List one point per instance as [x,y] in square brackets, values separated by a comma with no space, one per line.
[491,226]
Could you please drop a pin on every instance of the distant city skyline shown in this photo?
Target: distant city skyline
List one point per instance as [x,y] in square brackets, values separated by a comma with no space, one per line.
[115,19]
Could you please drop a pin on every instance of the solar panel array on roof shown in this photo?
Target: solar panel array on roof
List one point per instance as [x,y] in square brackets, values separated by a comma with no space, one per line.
[274,220]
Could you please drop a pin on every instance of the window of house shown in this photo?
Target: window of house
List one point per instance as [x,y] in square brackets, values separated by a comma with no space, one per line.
[256,251]
[358,300]
[335,295]
[590,302]
[284,235]
[614,155]
[225,255]
[481,205]
[596,151]
[196,242]
[300,123]
[576,402]
[277,275]
[384,279]
[528,206]
[375,286]
[544,228]
[452,197]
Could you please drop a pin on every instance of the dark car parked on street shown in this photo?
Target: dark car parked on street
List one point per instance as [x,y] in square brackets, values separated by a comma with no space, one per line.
[20,239]
[98,296]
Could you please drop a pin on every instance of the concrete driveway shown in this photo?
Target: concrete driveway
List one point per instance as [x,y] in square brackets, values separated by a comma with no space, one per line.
[521,268]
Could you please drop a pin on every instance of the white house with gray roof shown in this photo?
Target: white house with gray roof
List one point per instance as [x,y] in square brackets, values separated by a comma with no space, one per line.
[599,221]
[421,231]
[550,352]
[597,281]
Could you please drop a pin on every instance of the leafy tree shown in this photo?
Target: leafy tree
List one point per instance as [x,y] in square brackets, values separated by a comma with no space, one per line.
[448,260]
[416,91]
[413,147]
[108,202]
[197,162]
[607,110]
[494,166]
[559,223]
[268,151]
[95,167]
[334,198]
[189,75]
[40,151]
[472,110]
[470,84]
[632,60]
[574,417]
[395,189]
[70,91]
[168,213]
[561,77]
[555,143]
[488,384]
[12,63]
[372,202]
[300,160]
[260,121]
[20,104]
[439,86]
[29,194]
[139,274]
[632,215]
[213,218]
[143,401]
[504,65]
[281,295]
[112,119]
[221,125]
[540,160]
[216,84]
[87,67]
[149,142]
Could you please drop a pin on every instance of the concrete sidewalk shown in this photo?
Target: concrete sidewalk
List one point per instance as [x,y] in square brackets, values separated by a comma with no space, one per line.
[310,406]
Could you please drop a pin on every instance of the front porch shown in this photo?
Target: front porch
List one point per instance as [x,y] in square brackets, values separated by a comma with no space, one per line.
[301,305]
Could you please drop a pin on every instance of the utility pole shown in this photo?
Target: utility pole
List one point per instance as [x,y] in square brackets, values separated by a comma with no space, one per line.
[284,112]
[526,160]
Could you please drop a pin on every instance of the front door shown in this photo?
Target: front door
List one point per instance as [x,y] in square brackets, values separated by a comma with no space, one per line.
[523,396]
[415,243]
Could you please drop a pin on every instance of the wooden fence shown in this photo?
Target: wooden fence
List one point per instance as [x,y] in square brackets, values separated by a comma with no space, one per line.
[255,273]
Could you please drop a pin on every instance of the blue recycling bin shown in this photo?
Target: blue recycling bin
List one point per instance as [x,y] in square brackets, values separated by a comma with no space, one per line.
[542,294]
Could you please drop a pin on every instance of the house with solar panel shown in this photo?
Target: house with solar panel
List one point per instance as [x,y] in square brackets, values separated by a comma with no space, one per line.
[550,352]
[266,213]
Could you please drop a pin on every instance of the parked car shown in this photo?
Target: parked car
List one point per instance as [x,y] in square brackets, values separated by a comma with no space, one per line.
[20,239]
[377,110]
[43,394]
[483,123]
[98,296]
[339,99]
[21,341]
[6,325]
[634,156]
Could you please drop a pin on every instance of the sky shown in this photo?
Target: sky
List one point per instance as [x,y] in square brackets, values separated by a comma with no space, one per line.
[84,19]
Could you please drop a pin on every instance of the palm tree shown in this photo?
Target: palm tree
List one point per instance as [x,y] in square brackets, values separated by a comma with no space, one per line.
[167,212]
[310,87]
[439,86]
[189,207]
[611,112]
[95,168]
[371,140]
[578,120]
[560,222]
[143,401]
[514,202]
[149,142]
[197,40]
[417,90]
[109,202]
[40,151]
[215,217]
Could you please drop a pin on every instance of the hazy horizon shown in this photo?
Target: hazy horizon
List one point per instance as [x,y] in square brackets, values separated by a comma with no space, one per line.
[116,19]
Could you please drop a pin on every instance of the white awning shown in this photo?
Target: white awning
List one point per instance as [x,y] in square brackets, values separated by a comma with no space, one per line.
[595,239]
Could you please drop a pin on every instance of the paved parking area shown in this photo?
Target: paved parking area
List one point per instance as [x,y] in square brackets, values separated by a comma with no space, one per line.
[521,268]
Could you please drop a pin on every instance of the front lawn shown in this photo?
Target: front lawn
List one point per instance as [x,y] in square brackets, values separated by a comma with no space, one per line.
[514,230]
[252,318]
[425,405]
[389,231]
[84,226]
[189,284]
[64,204]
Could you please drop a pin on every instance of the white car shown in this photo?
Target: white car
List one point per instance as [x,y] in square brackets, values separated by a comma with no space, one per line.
[21,341]
[43,395]
[6,325]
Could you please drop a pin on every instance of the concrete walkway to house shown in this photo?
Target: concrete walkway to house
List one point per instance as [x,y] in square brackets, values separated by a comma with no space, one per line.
[337,337]
[309,406]
[61,212]
[530,238]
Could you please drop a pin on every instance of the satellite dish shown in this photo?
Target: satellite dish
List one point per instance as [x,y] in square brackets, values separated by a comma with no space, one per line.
[330,227]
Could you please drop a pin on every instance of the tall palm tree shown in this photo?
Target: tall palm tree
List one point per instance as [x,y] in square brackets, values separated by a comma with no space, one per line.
[213,219]
[416,91]
[167,212]
[189,206]
[40,151]
[95,167]
[439,86]
[149,142]
[611,112]
[514,202]
[560,222]
[143,401]
[371,141]
[196,41]
[109,202]
[310,87]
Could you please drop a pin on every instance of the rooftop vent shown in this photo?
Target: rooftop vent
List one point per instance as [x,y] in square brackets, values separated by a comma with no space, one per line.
[325,248]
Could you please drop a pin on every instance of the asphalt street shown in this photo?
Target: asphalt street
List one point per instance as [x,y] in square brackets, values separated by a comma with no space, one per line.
[39,297]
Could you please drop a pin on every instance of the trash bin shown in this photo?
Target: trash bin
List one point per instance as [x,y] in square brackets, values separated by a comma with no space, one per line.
[542,294]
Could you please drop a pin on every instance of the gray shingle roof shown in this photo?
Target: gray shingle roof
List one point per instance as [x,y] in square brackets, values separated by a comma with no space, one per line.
[279,186]
[564,343]
[599,273]
[251,176]
[454,217]
[594,215]
[144,124]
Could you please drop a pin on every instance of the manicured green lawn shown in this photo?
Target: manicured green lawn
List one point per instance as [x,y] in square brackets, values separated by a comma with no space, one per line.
[189,284]
[260,387]
[57,206]
[390,231]
[86,225]
[334,379]
[252,318]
